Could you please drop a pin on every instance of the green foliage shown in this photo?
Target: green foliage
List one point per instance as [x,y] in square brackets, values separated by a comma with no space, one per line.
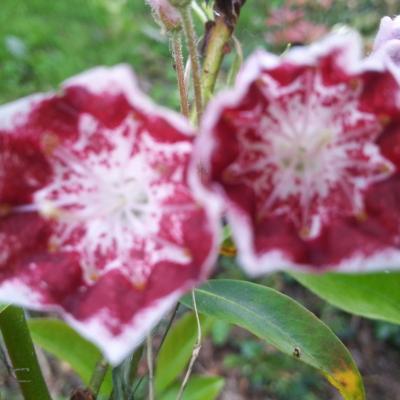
[286,325]
[375,295]
[271,371]
[198,388]
[42,43]
[177,349]
[59,339]
[3,307]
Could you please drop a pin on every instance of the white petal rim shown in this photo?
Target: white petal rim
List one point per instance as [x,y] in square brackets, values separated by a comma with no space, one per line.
[15,114]
[121,79]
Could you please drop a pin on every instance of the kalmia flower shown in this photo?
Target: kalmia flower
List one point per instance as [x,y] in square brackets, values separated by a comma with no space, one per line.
[387,41]
[389,29]
[96,217]
[305,153]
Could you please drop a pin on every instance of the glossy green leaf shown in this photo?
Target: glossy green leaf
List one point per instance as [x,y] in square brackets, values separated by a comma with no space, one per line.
[198,388]
[57,338]
[374,295]
[286,325]
[177,350]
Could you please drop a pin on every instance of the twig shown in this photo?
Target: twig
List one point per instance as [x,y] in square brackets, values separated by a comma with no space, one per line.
[196,350]
[176,47]
[171,320]
[190,35]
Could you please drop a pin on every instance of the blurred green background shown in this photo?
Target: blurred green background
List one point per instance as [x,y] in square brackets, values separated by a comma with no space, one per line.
[43,42]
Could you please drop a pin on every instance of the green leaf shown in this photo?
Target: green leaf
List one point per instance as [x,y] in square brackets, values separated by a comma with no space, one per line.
[177,350]
[374,295]
[285,324]
[3,307]
[198,388]
[57,338]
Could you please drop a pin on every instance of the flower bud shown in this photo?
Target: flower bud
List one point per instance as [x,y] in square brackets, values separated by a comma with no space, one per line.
[167,15]
[387,42]
[389,30]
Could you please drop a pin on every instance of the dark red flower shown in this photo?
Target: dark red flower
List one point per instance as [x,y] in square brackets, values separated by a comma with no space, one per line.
[96,216]
[304,153]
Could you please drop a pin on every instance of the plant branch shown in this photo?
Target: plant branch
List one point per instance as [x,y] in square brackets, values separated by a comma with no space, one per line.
[191,41]
[170,322]
[217,40]
[218,35]
[20,348]
[176,46]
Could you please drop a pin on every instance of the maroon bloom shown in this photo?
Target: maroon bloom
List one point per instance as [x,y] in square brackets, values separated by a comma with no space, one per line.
[96,217]
[305,153]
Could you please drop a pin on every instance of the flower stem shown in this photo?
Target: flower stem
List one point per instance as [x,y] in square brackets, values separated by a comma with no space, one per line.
[196,350]
[217,41]
[150,367]
[176,44]
[169,325]
[190,35]
[22,354]
[98,377]
[237,62]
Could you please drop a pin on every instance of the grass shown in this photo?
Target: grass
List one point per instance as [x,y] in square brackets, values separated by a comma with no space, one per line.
[44,42]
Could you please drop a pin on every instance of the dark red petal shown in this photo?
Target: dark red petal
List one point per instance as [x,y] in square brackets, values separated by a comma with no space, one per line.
[21,235]
[389,143]
[24,169]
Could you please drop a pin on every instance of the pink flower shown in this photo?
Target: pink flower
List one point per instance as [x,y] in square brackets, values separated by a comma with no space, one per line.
[96,217]
[387,42]
[290,26]
[389,29]
[167,14]
[305,152]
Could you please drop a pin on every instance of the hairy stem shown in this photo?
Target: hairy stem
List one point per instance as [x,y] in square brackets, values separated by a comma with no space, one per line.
[176,45]
[98,377]
[20,348]
[190,35]
[196,350]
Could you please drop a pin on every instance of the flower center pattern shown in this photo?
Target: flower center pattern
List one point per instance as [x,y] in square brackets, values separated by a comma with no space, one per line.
[308,151]
[112,193]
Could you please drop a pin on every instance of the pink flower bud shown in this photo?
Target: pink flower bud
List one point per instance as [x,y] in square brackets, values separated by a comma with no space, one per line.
[165,13]
[389,30]
[387,44]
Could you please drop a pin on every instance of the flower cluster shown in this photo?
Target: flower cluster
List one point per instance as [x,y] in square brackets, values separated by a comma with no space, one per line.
[110,208]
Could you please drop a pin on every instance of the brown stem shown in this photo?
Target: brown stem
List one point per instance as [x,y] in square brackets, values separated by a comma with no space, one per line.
[176,44]
[190,35]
